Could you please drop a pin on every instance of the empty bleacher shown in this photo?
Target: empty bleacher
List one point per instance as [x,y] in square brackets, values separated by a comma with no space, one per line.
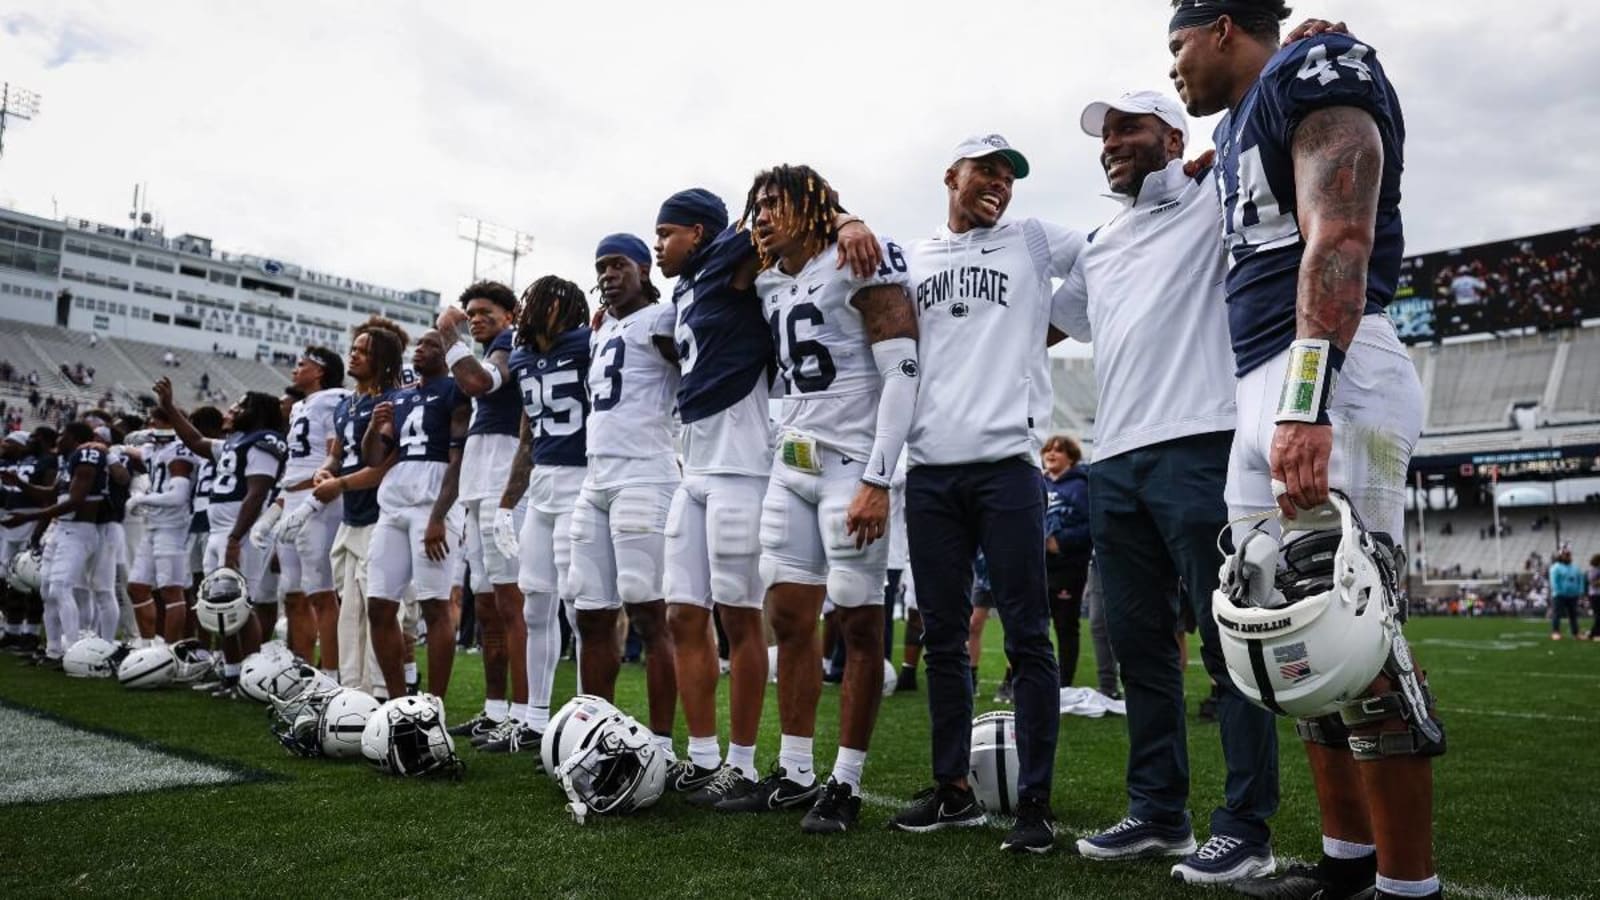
[1578,395]
[1475,384]
[1464,547]
[1075,397]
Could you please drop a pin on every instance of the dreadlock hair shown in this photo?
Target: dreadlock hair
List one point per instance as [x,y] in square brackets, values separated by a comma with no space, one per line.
[545,294]
[386,347]
[258,412]
[807,204]
[493,291]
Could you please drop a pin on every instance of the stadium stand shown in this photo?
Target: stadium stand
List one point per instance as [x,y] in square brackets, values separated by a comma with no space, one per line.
[1468,547]
[1075,398]
[1578,395]
[1475,385]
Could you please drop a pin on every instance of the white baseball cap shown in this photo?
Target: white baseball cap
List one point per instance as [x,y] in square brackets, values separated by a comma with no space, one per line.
[978,146]
[1152,103]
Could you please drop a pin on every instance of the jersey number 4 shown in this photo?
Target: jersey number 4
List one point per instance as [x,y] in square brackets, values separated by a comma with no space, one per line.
[1317,65]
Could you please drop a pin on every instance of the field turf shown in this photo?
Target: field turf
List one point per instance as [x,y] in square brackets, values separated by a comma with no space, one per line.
[1517,807]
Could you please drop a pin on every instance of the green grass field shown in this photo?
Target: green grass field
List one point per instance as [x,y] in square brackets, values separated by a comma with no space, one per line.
[1518,811]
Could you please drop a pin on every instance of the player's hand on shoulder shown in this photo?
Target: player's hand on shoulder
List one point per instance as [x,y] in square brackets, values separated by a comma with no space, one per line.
[1310,28]
[859,249]
[1199,164]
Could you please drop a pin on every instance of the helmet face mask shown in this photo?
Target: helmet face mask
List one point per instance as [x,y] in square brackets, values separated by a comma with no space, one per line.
[1321,646]
[406,736]
[26,572]
[604,759]
[223,601]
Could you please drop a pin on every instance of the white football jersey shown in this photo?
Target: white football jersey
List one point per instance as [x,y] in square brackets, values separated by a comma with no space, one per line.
[831,383]
[983,314]
[159,463]
[310,427]
[632,392]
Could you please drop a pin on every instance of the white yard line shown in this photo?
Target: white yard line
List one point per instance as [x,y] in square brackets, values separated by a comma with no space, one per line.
[1508,714]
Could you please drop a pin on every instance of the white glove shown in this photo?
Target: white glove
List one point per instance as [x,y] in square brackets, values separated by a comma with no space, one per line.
[296,519]
[505,533]
[264,533]
[134,505]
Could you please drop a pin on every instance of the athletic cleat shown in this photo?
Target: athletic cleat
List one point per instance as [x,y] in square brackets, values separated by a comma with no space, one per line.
[906,682]
[837,809]
[24,645]
[1034,831]
[478,724]
[1223,859]
[942,806]
[51,663]
[1318,882]
[1004,693]
[775,791]
[499,732]
[1136,839]
[685,777]
[519,738]
[720,785]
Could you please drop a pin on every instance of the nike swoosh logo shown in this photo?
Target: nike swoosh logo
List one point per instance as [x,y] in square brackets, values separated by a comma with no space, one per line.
[988,250]
[813,289]
[776,799]
[880,469]
[944,813]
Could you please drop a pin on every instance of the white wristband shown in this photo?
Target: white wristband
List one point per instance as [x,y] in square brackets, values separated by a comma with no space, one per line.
[457,352]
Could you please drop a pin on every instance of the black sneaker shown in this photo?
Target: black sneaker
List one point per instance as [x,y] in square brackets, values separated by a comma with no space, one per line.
[499,732]
[685,777]
[837,809]
[907,680]
[47,662]
[476,725]
[1004,694]
[1223,859]
[1329,879]
[24,645]
[721,785]
[1034,831]
[943,806]
[1208,705]
[775,791]
[518,738]
[1134,838]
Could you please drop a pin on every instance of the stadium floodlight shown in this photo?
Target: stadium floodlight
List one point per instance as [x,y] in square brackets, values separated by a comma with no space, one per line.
[499,239]
[16,103]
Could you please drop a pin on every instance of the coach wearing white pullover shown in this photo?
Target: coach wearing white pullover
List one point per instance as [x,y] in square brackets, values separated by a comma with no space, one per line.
[981,288]
[1147,289]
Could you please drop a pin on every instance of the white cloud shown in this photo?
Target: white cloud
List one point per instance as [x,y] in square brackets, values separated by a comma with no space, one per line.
[348,137]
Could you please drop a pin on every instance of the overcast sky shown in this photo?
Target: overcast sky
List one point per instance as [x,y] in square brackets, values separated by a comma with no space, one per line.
[349,137]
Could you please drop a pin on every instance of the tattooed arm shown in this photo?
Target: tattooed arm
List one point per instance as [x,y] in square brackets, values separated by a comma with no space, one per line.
[1338,168]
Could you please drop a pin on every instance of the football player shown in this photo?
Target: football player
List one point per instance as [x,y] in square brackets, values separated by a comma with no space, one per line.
[847,352]
[159,562]
[713,548]
[208,421]
[416,436]
[549,362]
[488,309]
[619,525]
[109,570]
[24,465]
[377,353]
[1309,158]
[982,290]
[305,564]
[80,488]
[247,462]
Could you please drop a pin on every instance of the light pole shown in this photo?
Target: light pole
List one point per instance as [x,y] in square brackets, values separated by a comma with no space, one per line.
[496,238]
[16,103]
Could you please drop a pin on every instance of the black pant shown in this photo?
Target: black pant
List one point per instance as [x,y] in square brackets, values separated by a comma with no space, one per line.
[1065,584]
[952,512]
[1564,608]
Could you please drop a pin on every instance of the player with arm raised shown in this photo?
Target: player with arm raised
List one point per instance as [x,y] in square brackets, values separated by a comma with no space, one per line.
[159,563]
[415,438]
[310,602]
[247,463]
[847,352]
[713,547]
[549,362]
[619,523]
[80,488]
[488,309]
[1309,158]
[377,353]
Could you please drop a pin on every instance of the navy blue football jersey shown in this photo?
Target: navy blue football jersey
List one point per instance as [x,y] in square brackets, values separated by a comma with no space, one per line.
[230,476]
[498,412]
[1255,177]
[556,398]
[85,456]
[114,508]
[350,420]
[422,419]
[200,499]
[32,469]
[722,324]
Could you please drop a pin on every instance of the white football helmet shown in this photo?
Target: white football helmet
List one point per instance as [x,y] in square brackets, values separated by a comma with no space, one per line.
[557,743]
[297,678]
[344,719]
[1307,622]
[994,762]
[194,661]
[223,602]
[26,570]
[407,736]
[149,667]
[258,674]
[93,657]
[295,720]
[613,764]
[277,648]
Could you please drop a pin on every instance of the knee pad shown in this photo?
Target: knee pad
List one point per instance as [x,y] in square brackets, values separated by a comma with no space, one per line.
[1384,725]
[849,588]
[634,586]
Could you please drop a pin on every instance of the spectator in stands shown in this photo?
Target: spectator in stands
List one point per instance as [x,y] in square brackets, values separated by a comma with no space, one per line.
[1566,586]
[1594,596]
[33,378]
[34,400]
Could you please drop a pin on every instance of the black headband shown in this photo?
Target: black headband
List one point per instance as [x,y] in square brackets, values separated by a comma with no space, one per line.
[1192,13]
